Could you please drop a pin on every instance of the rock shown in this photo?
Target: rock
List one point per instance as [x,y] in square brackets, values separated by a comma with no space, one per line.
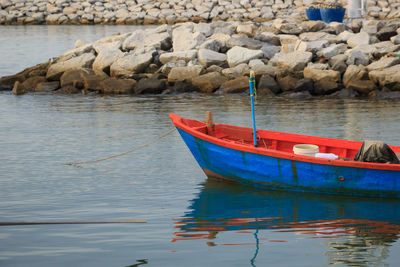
[214,68]
[130,63]
[312,47]
[18,89]
[204,28]
[208,57]
[238,55]
[361,38]
[73,77]
[175,56]
[287,83]
[384,94]
[325,81]
[337,27]
[56,70]
[288,39]
[166,68]
[91,81]
[259,68]
[289,28]
[180,74]
[105,58]
[47,86]
[384,48]
[356,73]
[30,84]
[268,37]
[371,26]
[270,50]
[296,95]
[389,77]
[384,62]
[212,44]
[209,82]
[318,36]
[145,39]
[313,25]
[295,61]
[356,57]
[238,85]
[386,33]
[304,85]
[395,39]
[243,41]
[85,49]
[184,39]
[268,82]
[237,71]
[150,86]
[333,50]
[345,93]
[117,86]
[363,87]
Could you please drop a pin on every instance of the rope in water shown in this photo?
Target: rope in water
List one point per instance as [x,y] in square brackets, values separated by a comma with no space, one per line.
[74,222]
[122,154]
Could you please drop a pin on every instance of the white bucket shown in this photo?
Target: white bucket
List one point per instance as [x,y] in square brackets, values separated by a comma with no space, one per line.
[305,150]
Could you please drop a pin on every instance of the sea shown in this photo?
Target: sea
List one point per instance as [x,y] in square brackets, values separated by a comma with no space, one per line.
[189,219]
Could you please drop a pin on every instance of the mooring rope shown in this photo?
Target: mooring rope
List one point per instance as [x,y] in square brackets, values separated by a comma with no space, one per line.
[74,222]
[124,153]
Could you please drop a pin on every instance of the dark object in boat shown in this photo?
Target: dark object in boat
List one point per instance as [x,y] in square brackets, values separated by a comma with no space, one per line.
[377,152]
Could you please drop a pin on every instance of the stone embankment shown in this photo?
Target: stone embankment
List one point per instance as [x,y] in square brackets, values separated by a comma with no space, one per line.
[165,11]
[289,57]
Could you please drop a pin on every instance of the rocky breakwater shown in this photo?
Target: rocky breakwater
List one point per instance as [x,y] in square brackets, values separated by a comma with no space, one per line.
[166,11]
[289,57]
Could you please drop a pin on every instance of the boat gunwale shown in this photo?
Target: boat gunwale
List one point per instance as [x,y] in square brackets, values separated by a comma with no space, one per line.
[178,122]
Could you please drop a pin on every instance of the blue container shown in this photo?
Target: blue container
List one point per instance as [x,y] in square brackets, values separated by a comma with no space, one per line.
[313,14]
[332,14]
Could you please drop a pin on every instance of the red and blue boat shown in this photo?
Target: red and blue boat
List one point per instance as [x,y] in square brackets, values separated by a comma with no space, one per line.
[228,152]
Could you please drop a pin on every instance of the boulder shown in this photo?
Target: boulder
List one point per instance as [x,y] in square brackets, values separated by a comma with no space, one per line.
[145,39]
[363,87]
[268,37]
[130,63]
[105,57]
[389,77]
[182,87]
[238,55]
[117,86]
[287,83]
[313,46]
[386,32]
[237,71]
[295,61]
[287,39]
[180,74]
[18,88]
[67,90]
[384,48]
[30,84]
[319,36]
[333,50]
[209,82]
[181,55]
[313,25]
[238,85]
[243,41]
[356,73]
[384,62]
[356,57]
[73,77]
[325,81]
[268,82]
[184,39]
[150,86]
[270,50]
[361,38]
[259,68]
[345,93]
[56,70]
[91,81]
[213,44]
[209,57]
[305,84]
[395,39]
[47,86]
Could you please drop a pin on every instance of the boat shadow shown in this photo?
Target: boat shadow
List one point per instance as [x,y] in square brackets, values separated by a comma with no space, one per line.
[351,226]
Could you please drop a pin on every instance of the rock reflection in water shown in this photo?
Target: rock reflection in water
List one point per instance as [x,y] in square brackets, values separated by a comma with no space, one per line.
[357,231]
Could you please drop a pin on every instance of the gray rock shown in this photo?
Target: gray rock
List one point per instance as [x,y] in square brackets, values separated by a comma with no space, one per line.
[180,74]
[150,86]
[295,61]
[386,32]
[313,46]
[175,56]
[47,86]
[237,71]
[270,50]
[184,39]
[356,57]
[238,55]
[260,68]
[345,93]
[243,41]
[268,82]
[144,39]
[333,50]
[56,70]
[361,38]
[105,57]
[130,64]
[395,39]
[268,37]
[209,57]
[212,44]
[209,82]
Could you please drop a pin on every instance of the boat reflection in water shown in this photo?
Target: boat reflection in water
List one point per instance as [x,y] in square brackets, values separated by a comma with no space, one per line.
[356,230]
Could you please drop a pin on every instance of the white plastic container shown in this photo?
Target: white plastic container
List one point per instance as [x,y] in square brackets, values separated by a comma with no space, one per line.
[326,155]
[305,150]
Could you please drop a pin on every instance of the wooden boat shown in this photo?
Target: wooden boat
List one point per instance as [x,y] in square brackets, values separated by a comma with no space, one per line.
[227,152]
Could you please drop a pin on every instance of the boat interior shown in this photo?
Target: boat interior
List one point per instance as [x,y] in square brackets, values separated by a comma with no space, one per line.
[278,141]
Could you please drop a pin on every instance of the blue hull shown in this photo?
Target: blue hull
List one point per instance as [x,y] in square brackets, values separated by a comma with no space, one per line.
[285,174]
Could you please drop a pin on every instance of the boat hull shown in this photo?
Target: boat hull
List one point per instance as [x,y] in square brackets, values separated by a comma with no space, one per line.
[292,175]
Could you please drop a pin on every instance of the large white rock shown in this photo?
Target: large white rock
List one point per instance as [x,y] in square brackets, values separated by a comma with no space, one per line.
[143,39]
[383,63]
[183,38]
[313,46]
[237,55]
[356,57]
[209,57]
[294,61]
[106,55]
[83,61]
[333,50]
[175,56]
[259,68]
[130,63]
[361,38]
[237,71]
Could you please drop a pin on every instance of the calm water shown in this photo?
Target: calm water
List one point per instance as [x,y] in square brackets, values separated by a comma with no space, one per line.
[192,221]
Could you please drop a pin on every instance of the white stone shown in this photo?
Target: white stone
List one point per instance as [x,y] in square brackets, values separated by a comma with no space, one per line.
[143,39]
[383,63]
[106,55]
[57,69]
[238,55]
[187,73]
[313,47]
[184,39]
[294,61]
[361,38]
[180,55]
[130,63]
[209,57]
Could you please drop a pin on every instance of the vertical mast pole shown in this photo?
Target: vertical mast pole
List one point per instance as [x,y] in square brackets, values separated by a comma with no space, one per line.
[252,90]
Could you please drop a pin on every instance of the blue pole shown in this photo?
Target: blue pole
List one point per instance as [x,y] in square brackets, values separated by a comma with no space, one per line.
[252,89]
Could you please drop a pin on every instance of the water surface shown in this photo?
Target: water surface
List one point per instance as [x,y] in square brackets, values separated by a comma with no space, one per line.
[191,220]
